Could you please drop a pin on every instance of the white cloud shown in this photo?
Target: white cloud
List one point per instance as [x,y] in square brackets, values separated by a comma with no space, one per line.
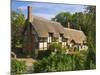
[22,8]
[46,16]
[49,10]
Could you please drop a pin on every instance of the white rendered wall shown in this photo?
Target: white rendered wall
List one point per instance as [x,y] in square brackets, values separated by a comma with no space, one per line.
[42,45]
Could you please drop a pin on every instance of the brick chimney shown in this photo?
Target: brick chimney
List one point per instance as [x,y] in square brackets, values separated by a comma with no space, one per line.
[30,17]
[69,25]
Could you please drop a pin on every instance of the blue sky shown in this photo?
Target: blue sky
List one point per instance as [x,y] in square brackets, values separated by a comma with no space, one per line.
[46,10]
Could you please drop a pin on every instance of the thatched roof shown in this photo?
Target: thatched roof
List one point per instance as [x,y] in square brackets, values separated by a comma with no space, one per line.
[77,35]
[44,27]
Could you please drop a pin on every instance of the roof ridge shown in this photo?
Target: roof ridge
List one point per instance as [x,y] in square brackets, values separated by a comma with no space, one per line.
[41,18]
[73,29]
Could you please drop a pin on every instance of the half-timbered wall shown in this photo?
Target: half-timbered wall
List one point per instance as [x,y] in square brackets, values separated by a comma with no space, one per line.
[50,38]
[43,44]
[62,40]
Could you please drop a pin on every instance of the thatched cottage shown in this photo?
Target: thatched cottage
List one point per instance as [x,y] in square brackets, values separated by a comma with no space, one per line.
[39,33]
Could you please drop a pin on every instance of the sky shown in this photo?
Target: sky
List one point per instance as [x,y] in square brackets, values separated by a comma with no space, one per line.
[45,10]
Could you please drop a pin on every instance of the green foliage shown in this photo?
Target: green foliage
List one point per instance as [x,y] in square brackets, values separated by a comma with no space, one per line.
[53,63]
[61,62]
[80,59]
[78,20]
[91,9]
[17,67]
[63,18]
[91,38]
[86,21]
[17,22]
[56,47]
[91,59]
[43,53]
[92,65]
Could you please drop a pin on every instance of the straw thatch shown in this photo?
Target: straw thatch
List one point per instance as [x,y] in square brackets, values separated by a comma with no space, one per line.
[77,35]
[43,27]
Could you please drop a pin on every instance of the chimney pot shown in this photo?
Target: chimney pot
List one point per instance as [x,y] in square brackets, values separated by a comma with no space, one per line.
[30,14]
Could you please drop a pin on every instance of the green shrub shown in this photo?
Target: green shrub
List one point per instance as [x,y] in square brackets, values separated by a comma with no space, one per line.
[43,54]
[80,59]
[61,62]
[17,67]
[92,65]
[56,47]
[90,62]
[53,63]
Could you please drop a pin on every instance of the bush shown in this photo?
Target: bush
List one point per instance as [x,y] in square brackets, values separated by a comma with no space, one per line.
[80,59]
[17,67]
[61,62]
[43,54]
[53,63]
[56,47]
[90,62]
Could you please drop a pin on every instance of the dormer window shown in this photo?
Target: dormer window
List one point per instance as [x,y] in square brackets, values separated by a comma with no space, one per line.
[61,38]
[50,38]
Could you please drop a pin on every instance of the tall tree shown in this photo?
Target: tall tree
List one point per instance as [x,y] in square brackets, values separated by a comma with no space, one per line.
[17,22]
[78,20]
[63,18]
[91,37]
